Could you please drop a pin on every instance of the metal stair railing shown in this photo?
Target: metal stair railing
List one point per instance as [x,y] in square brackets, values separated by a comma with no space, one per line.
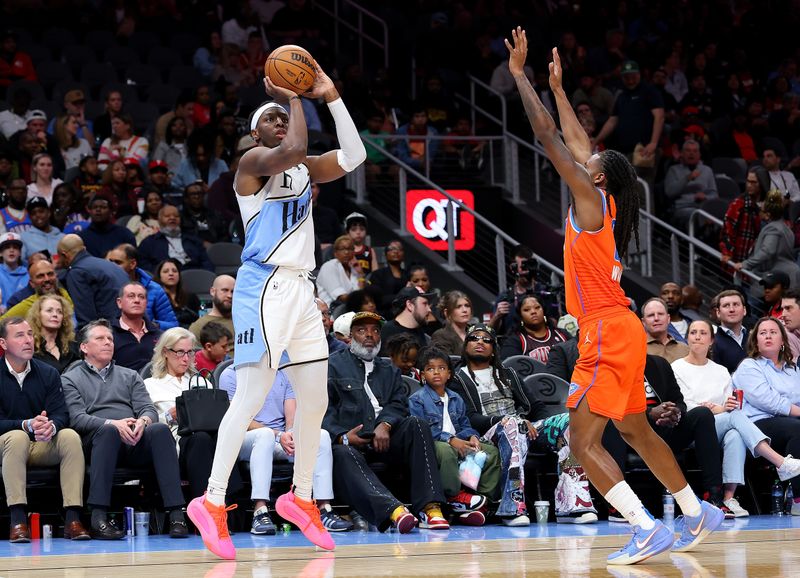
[486,263]
[366,21]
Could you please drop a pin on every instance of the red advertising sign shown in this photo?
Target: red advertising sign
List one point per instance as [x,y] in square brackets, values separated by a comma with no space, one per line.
[426,218]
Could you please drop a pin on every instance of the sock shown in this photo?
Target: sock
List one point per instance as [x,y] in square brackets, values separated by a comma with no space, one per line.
[98,515]
[176,515]
[304,495]
[432,508]
[72,515]
[688,502]
[398,511]
[627,503]
[215,495]
[259,511]
[17,513]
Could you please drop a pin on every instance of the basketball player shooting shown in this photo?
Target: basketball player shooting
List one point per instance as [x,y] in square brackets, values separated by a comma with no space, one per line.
[275,316]
[608,381]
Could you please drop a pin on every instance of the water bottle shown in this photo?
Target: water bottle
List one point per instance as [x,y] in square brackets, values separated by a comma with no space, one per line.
[235,237]
[789,499]
[203,311]
[777,499]
[668,501]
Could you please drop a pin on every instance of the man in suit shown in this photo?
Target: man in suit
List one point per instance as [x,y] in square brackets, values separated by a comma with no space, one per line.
[730,342]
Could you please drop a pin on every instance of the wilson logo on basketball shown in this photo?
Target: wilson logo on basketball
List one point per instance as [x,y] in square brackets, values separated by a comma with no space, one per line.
[301,58]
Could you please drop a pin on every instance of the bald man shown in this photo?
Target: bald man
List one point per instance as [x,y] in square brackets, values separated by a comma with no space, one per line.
[43,281]
[92,283]
[222,300]
[171,241]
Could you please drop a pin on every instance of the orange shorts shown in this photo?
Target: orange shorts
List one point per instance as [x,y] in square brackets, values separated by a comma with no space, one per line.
[609,373]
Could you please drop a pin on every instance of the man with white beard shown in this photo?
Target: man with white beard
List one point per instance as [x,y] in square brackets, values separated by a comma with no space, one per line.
[368,421]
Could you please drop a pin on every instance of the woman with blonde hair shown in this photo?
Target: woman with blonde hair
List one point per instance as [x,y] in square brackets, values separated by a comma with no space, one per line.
[50,318]
[172,369]
[456,310]
[42,181]
[73,148]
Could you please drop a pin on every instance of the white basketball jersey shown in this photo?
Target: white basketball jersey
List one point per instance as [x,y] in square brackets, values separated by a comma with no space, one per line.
[279,229]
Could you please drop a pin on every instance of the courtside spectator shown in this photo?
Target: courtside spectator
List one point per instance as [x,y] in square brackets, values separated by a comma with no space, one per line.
[672,295]
[34,431]
[784,181]
[790,317]
[51,319]
[742,220]
[135,337]
[42,281]
[535,335]
[341,275]
[111,410]
[327,323]
[402,349]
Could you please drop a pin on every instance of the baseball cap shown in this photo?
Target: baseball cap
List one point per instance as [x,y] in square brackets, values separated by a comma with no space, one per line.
[34,202]
[630,67]
[245,144]
[35,114]
[8,238]
[341,324]
[75,95]
[773,278]
[132,162]
[158,166]
[484,328]
[353,218]
[407,293]
[366,317]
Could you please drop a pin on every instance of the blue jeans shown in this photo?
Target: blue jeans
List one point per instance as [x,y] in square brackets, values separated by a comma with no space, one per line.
[736,434]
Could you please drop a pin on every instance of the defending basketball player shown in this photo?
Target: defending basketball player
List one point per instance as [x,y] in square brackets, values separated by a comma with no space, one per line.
[608,381]
[277,322]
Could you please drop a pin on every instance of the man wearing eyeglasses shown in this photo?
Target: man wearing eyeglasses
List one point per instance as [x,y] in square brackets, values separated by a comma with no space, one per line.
[135,336]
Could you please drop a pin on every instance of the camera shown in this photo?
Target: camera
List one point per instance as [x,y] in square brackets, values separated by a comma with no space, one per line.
[528,268]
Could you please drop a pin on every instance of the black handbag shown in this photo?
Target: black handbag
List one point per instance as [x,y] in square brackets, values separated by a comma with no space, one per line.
[201,408]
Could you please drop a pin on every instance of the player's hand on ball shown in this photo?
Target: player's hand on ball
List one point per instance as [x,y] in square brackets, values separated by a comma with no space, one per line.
[280,95]
[322,83]
[518,52]
[555,72]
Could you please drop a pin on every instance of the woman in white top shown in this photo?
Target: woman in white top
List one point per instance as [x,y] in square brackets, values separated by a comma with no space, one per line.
[123,144]
[73,149]
[173,365]
[42,182]
[706,383]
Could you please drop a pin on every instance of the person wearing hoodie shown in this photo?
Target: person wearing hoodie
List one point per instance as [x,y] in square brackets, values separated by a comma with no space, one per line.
[13,276]
[159,308]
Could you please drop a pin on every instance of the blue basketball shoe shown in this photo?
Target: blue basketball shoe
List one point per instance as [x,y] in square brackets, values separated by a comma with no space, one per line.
[644,544]
[695,529]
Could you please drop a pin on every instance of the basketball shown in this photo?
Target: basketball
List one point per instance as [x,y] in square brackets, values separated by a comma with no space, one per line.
[291,67]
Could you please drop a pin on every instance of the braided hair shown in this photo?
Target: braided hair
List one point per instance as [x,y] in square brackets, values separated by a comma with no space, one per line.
[496,364]
[621,183]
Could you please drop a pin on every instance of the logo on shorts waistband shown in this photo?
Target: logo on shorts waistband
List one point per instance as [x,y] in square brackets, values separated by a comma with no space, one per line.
[245,337]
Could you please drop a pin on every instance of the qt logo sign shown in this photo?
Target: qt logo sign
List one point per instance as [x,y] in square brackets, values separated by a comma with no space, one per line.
[426,218]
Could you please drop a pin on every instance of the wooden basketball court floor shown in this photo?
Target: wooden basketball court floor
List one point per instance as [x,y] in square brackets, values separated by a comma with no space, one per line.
[762,546]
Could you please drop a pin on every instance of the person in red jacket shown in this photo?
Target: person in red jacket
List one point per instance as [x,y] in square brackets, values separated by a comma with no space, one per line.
[14,65]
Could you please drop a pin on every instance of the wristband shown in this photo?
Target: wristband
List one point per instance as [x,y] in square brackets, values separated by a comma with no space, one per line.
[345,441]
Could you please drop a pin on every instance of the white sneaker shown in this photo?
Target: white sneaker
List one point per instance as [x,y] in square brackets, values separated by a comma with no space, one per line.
[734,506]
[521,520]
[789,468]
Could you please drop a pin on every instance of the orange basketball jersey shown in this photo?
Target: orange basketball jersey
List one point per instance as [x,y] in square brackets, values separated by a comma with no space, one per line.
[592,269]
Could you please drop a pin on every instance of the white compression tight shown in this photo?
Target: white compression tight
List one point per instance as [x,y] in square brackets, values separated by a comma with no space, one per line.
[253,383]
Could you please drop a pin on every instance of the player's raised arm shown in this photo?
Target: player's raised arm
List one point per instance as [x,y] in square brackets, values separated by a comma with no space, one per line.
[285,141]
[544,127]
[336,163]
[575,137]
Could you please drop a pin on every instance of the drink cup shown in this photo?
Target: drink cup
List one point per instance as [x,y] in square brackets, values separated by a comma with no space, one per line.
[142,522]
[739,393]
[542,509]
